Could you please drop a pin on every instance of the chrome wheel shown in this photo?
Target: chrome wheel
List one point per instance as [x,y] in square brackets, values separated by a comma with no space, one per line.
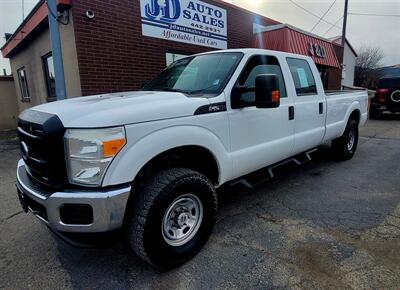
[352,140]
[182,220]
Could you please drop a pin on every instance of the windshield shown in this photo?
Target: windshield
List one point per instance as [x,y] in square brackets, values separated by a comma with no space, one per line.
[205,74]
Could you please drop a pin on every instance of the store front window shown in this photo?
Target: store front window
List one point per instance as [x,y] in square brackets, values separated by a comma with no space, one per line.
[23,84]
[49,75]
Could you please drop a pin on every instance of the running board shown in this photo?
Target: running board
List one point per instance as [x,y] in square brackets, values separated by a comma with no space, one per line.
[253,179]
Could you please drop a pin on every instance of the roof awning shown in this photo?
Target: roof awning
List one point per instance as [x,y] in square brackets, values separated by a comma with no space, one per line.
[283,37]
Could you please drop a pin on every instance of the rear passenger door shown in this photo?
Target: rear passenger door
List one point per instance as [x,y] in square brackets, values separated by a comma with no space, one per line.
[309,106]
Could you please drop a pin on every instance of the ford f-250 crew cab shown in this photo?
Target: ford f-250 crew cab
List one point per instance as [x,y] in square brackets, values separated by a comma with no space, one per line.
[149,161]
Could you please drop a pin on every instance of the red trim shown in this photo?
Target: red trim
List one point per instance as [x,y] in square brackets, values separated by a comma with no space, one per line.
[38,14]
[64,2]
[293,41]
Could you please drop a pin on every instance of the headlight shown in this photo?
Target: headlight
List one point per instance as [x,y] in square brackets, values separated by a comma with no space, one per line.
[90,151]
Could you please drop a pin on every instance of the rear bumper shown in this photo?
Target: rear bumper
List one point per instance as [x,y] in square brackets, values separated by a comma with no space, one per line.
[108,206]
[386,106]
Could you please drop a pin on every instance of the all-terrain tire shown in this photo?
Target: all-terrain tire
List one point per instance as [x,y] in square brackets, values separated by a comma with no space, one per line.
[150,207]
[345,146]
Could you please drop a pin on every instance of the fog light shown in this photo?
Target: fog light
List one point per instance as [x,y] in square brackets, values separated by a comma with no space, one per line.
[76,214]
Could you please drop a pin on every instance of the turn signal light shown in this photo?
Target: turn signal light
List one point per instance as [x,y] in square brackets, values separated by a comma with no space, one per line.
[112,147]
[275,96]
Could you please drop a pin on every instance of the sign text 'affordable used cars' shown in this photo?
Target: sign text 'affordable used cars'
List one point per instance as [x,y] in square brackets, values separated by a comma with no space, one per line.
[188,21]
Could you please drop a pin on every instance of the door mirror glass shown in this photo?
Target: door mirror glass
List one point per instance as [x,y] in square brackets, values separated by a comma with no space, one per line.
[267,91]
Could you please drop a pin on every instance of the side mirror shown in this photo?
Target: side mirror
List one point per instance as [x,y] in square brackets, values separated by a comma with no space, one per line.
[267,91]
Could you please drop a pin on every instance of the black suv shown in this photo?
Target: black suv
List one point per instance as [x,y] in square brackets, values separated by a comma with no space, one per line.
[387,97]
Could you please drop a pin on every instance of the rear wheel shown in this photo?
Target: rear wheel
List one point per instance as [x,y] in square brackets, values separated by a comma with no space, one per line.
[346,145]
[172,217]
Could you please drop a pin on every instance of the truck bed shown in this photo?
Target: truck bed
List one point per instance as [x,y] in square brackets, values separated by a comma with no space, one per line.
[339,106]
[337,92]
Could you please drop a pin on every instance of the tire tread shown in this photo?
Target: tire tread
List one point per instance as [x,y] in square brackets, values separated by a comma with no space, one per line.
[161,183]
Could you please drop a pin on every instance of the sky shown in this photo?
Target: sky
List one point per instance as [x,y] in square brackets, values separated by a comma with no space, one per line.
[361,30]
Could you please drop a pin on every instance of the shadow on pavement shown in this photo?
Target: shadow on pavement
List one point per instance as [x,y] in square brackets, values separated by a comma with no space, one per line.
[302,225]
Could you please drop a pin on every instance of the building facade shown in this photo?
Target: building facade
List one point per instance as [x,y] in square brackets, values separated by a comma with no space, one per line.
[287,38]
[118,45]
[8,104]
[349,62]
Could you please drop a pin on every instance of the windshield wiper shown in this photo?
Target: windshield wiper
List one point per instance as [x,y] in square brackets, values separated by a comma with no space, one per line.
[202,90]
[174,90]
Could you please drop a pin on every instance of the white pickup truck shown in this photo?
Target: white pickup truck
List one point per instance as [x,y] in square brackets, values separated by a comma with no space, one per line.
[149,161]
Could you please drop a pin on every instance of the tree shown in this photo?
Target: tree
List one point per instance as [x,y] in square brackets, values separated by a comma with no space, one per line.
[368,61]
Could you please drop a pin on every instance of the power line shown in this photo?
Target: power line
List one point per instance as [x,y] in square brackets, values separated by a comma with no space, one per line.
[313,14]
[371,14]
[333,26]
[322,17]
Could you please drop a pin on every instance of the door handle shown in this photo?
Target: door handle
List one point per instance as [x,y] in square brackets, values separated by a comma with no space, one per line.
[321,108]
[291,113]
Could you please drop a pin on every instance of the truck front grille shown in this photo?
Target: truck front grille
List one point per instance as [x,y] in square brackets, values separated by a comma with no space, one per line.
[41,140]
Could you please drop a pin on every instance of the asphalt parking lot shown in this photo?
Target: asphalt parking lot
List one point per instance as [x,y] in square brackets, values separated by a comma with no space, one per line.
[325,224]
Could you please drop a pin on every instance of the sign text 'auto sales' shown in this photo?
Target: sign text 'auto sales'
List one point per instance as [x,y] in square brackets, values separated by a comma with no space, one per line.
[188,21]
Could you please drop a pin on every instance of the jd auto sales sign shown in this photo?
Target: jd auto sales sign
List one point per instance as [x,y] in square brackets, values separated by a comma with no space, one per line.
[188,21]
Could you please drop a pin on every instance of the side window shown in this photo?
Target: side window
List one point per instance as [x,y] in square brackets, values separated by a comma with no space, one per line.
[23,84]
[260,64]
[49,75]
[302,76]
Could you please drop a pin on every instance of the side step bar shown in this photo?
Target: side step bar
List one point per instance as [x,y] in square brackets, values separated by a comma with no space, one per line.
[253,179]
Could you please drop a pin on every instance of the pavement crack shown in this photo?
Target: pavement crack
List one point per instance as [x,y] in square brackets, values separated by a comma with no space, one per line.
[392,225]
[11,216]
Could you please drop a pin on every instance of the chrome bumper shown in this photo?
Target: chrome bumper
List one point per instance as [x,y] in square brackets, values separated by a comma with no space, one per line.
[108,206]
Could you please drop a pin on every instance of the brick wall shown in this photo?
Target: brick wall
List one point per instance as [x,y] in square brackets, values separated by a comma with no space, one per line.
[114,56]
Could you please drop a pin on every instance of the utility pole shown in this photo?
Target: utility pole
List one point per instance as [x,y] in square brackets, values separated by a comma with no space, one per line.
[56,49]
[346,4]
[23,10]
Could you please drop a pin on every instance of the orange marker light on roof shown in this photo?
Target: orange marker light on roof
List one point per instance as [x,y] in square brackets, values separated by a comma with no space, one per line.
[112,147]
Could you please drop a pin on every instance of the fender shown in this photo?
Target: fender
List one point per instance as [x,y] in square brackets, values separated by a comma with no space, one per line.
[134,157]
[353,107]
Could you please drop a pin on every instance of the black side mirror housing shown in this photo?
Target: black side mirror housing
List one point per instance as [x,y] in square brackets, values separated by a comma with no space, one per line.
[267,91]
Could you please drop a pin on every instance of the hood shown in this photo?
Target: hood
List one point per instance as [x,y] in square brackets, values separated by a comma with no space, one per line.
[118,109]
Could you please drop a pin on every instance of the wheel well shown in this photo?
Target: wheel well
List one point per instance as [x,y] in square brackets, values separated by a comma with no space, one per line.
[193,157]
[355,115]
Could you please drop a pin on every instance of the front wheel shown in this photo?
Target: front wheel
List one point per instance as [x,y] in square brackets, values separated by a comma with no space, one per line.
[172,217]
[346,145]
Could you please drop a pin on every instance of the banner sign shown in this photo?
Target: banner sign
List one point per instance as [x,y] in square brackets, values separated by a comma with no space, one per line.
[188,21]
[317,50]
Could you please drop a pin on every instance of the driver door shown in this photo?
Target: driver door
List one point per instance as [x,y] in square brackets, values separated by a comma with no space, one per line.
[260,137]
